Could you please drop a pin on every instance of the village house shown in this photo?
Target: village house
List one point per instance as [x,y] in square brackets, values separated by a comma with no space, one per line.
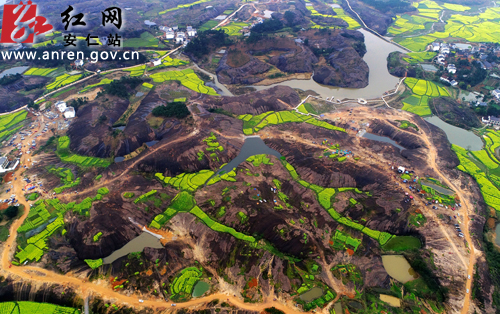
[491,121]
[435,46]
[69,112]
[496,93]
[180,38]
[61,106]
[191,32]
[452,68]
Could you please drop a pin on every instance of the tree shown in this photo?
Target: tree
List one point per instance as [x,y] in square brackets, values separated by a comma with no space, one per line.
[11,212]
[173,109]
[289,17]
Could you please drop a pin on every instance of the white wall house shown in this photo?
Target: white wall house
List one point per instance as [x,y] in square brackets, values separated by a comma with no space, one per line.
[61,106]
[79,62]
[180,38]
[191,31]
[69,113]
[452,68]
[496,93]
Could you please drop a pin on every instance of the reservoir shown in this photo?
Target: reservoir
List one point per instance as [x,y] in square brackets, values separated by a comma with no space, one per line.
[253,145]
[15,70]
[312,294]
[398,268]
[380,80]
[497,232]
[384,139]
[135,245]
[463,138]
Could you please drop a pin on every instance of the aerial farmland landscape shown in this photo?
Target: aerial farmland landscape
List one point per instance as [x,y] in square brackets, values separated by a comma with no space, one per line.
[251,157]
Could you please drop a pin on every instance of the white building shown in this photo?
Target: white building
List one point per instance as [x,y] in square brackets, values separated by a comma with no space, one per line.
[496,93]
[445,50]
[191,31]
[69,113]
[435,46]
[491,120]
[180,38]
[453,83]
[61,105]
[79,62]
[156,62]
[3,163]
[452,68]
[169,33]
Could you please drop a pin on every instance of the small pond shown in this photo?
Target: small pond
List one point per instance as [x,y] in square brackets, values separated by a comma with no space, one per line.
[200,288]
[121,128]
[463,138]
[338,308]
[392,301]
[379,138]
[15,70]
[119,159]
[253,145]
[311,295]
[135,245]
[398,268]
[151,143]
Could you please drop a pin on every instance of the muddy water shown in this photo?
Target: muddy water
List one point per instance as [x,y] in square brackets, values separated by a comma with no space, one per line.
[380,80]
[200,288]
[398,268]
[338,308]
[312,294]
[497,232]
[382,139]
[14,70]
[253,145]
[135,245]
[392,301]
[463,138]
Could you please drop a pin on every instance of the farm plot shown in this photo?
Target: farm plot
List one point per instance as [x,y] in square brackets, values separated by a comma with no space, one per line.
[104,81]
[187,182]
[39,71]
[182,6]
[422,90]
[253,124]
[186,77]
[146,40]
[234,28]
[136,71]
[63,80]
[182,285]
[67,179]
[208,25]
[11,123]
[422,56]
[341,241]
[29,307]
[83,161]
[490,192]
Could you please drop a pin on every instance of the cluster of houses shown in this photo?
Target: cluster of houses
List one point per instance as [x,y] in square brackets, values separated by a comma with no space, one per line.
[67,111]
[180,37]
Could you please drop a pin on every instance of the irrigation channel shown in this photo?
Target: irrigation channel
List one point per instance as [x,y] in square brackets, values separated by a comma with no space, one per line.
[379,79]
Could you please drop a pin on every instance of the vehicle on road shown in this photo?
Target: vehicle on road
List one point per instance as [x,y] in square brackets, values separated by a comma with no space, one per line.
[141,300]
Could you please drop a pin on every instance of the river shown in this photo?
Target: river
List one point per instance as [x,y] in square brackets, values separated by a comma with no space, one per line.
[380,80]
[137,244]
[463,138]
[219,88]
[253,145]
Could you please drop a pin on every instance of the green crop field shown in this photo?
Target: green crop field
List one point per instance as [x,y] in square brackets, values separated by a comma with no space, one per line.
[343,241]
[214,225]
[104,81]
[29,307]
[83,161]
[145,196]
[39,71]
[11,123]
[183,284]
[481,27]
[146,40]
[402,243]
[136,71]
[208,25]
[187,182]
[418,103]
[422,56]
[253,124]
[94,263]
[339,13]
[63,80]
[169,62]
[182,6]
[234,28]
[67,179]
[186,77]
[487,182]
[147,85]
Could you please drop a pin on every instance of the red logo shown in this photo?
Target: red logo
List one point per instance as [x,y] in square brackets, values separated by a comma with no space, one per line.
[21,24]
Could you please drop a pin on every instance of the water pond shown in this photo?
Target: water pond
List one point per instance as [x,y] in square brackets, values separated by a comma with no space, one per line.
[398,268]
[253,145]
[200,288]
[392,301]
[14,70]
[380,80]
[463,138]
[311,295]
[135,245]
[151,143]
[119,159]
[382,139]
[497,232]
[338,308]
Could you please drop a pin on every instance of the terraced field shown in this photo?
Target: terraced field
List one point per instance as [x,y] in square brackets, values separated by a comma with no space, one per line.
[136,71]
[186,77]
[83,161]
[253,124]
[423,90]
[146,40]
[39,71]
[11,123]
[482,27]
[340,13]
[234,28]
[483,165]
[63,80]
[29,307]
[104,81]
[421,56]
[182,6]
